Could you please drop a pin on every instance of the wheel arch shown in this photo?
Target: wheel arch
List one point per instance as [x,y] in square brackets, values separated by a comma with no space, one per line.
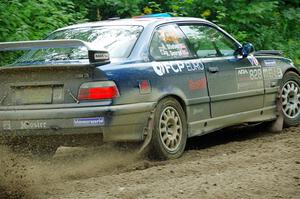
[289,120]
[292,69]
[178,99]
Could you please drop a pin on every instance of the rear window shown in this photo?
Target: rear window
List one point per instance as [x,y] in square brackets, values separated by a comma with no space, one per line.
[117,40]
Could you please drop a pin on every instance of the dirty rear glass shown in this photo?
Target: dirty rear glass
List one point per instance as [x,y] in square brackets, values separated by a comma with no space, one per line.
[118,40]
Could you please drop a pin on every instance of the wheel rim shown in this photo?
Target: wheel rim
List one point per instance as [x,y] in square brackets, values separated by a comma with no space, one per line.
[170,130]
[290,99]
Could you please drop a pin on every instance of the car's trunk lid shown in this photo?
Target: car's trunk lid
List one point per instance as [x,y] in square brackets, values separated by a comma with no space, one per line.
[43,84]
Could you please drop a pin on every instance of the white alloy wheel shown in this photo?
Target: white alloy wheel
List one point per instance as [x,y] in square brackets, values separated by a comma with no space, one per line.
[170,129]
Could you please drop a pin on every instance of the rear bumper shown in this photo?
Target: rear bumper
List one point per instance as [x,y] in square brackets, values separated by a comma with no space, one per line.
[116,123]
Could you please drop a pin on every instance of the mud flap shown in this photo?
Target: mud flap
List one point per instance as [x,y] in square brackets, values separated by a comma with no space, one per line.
[277,125]
[148,132]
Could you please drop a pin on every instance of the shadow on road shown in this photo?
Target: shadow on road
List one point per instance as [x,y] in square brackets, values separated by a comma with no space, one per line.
[228,135]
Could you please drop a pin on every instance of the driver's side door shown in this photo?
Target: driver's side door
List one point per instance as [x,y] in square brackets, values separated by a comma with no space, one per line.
[235,84]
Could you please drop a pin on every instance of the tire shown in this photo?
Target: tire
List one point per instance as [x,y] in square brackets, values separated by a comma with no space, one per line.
[290,99]
[169,130]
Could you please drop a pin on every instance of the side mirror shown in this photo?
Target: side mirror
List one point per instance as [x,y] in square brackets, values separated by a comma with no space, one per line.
[246,49]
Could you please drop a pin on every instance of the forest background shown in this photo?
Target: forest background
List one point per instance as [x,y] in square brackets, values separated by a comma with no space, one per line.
[268,24]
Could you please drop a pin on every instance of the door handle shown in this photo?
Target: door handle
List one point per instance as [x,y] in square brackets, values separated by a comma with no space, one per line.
[213,69]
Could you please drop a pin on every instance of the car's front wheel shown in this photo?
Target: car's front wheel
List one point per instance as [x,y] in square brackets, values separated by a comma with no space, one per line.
[169,130]
[290,99]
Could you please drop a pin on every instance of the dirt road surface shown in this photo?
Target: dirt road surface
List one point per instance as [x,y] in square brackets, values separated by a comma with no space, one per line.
[236,163]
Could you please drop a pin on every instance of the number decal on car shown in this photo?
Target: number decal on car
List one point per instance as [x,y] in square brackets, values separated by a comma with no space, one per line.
[255,74]
[249,78]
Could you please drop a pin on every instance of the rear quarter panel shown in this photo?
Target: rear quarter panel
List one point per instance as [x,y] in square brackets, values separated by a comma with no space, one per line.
[188,85]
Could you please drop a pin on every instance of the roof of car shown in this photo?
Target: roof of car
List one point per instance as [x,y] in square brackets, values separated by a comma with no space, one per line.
[135,21]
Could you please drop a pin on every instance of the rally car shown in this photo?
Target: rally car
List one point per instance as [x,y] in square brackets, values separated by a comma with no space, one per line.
[150,80]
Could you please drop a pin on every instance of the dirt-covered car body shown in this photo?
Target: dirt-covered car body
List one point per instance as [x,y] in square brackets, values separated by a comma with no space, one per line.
[215,79]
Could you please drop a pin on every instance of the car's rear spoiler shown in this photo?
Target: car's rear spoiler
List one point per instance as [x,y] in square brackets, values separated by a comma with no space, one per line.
[95,54]
[268,52]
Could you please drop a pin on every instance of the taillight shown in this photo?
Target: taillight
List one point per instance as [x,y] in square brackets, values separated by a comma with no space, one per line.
[98,91]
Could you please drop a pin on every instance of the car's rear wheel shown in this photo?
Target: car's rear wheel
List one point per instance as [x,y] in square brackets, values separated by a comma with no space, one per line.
[290,99]
[169,130]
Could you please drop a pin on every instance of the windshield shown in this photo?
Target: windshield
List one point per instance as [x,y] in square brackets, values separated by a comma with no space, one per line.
[117,40]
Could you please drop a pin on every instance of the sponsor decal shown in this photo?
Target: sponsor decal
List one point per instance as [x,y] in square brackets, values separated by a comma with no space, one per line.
[248,74]
[174,50]
[33,125]
[162,68]
[86,122]
[6,125]
[272,72]
[269,62]
[249,78]
[253,60]
[197,84]
[168,36]
[101,56]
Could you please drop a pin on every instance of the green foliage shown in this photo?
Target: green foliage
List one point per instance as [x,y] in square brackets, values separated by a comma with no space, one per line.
[104,9]
[268,24]
[33,19]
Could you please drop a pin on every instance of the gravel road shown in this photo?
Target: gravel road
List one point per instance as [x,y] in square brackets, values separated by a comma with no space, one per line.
[234,163]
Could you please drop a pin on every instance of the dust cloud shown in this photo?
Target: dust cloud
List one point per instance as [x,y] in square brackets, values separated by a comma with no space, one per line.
[27,178]
[15,182]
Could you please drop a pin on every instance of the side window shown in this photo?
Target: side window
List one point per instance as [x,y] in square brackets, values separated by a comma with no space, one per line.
[169,42]
[208,41]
